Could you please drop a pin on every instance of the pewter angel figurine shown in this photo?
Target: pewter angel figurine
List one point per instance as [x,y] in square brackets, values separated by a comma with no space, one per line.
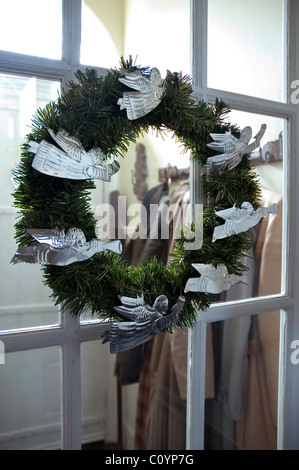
[213,280]
[61,249]
[148,94]
[71,160]
[144,322]
[232,148]
[240,220]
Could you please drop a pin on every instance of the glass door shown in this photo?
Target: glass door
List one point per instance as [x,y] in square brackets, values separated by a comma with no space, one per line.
[82,402]
[60,386]
[239,380]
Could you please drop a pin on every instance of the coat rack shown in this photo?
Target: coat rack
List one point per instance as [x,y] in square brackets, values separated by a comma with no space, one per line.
[172,173]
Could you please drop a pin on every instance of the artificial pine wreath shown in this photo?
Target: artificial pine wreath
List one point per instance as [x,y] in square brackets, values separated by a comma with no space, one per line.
[89,111]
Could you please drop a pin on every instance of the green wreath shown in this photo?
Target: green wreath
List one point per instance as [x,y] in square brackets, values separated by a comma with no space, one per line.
[88,110]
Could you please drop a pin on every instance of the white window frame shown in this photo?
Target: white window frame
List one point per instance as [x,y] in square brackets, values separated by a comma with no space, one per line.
[288,409]
[70,333]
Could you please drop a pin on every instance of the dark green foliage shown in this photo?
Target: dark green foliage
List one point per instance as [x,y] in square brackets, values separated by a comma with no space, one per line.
[88,110]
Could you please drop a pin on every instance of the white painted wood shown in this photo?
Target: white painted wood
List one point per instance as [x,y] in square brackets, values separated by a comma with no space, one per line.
[196,387]
[71,388]
[199,24]
[71,39]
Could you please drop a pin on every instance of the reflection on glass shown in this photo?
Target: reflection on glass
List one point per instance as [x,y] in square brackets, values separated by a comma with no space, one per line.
[146,181]
[265,260]
[246,47]
[19,99]
[142,28]
[159,366]
[135,401]
[99,410]
[161,405]
[22,27]
[151,378]
[24,299]
[30,414]
[102,32]
[242,366]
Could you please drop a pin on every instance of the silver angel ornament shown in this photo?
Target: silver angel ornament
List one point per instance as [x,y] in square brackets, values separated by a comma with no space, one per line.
[240,220]
[144,322]
[71,160]
[148,94]
[213,280]
[232,149]
[58,248]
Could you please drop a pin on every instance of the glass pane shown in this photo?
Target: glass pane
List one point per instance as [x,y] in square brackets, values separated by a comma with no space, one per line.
[142,28]
[156,369]
[33,27]
[162,394]
[99,410]
[246,47]
[242,373]
[265,275]
[24,299]
[30,414]
[147,169]
[136,400]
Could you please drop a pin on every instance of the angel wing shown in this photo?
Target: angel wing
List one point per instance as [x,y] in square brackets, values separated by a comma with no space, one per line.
[147,96]
[57,238]
[203,269]
[171,318]
[227,213]
[71,145]
[223,141]
[139,82]
[131,301]
[139,313]
[227,143]
[127,335]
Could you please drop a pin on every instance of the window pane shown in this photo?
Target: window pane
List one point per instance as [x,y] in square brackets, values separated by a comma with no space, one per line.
[24,299]
[137,398]
[102,32]
[99,411]
[265,275]
[33,27]
[246,47]
[152,378]
[142,28]
[242,375]
[30,415]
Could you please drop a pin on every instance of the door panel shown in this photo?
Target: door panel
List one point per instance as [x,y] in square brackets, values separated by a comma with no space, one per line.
[21,289]
[246,47]
[243,411]
[30,413]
